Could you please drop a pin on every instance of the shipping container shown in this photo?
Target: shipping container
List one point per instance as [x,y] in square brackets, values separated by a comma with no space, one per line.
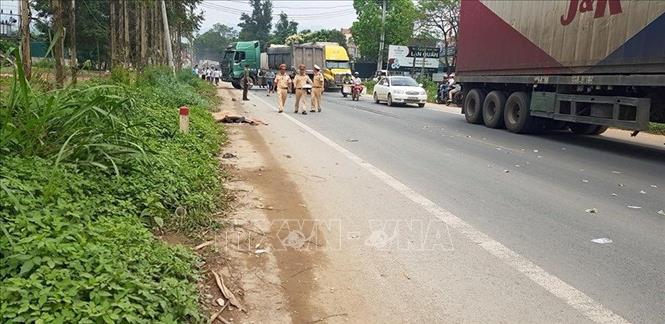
[588,63]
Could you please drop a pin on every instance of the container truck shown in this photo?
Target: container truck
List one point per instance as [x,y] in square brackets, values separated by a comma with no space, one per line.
[581,65]
[293,56]
[236,56]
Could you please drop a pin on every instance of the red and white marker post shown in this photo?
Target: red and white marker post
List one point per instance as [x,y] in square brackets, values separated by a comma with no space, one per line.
[184,119]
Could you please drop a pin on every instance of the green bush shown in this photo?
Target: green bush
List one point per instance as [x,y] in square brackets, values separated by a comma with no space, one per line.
[76,208]
[430,87]
[369,84]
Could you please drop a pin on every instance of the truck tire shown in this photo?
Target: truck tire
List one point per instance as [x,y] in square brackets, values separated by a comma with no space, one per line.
[473,106]
[516,114]
[236,84]
[586,129]
[493,107]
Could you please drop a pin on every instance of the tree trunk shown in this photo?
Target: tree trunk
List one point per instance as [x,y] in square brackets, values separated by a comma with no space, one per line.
[59,43]
[125,40]
[73,62]
[114,27]
[144,36]
[25,39]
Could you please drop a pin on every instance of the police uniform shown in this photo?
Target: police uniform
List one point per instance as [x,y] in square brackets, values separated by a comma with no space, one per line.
[317,89]
[282,82]
[299,82]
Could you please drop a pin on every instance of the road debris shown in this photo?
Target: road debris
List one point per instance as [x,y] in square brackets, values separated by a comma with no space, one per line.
[539,156]
[226,292]
[634,207]
[614,194]
[202,245]
[591,210]
[617,172]
[216,315]
[287,156]
[654,186]
[661,212]
[260,251]
[506,171]
[602,240]
[643,192]
[220,301]
[621,185]
[351,140]
[585,180]
[229,156]
[535,151]
[327,317]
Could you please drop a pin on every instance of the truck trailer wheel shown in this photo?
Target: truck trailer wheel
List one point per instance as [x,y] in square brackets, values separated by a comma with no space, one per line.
[516,114]
[473,106]
[493,107]
[586,129]
[236,84]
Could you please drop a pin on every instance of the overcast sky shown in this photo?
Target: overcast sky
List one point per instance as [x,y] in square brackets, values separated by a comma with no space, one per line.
[310,14]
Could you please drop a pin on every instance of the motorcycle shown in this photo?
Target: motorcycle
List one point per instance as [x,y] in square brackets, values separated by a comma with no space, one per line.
[458,98]
[356,90]
[442,94]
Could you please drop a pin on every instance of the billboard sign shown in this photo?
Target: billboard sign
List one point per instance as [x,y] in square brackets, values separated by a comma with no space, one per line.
[408,57]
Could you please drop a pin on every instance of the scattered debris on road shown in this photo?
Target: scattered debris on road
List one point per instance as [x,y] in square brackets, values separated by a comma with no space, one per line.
[229,156]
[202,245]
[506,171]
[643,192]
[260,251]
[585,180]
[602,240]
[614,194]
[634,207]
[617,172]
[351,140]
[287,156]
[654,186]
[661,212]
[226,292]
[592,210]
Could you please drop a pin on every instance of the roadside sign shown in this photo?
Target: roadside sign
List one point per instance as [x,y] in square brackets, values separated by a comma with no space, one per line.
[407,57]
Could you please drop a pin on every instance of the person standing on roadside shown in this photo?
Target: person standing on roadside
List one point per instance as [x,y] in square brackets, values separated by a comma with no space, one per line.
[282,84]
[299,82]
[217,75]
[317,89]
[270,78]
[245,81]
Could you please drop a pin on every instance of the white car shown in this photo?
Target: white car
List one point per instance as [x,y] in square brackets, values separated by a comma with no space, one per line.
[400,90]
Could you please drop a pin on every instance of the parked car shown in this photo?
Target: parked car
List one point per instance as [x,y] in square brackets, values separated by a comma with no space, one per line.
[400,90]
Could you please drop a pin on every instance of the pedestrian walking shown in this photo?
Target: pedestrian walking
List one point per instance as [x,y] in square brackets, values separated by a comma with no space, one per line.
[270,82]
[217,74]
[245,81]
[317,88]
[282,84]
[300,82]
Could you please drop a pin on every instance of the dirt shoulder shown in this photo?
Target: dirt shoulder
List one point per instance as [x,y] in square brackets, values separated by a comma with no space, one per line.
[264,253]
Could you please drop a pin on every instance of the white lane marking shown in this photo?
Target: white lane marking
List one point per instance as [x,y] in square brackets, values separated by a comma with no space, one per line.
[578,300]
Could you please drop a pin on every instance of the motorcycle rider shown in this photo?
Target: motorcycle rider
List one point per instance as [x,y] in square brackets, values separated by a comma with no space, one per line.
[356,79]
[454,88]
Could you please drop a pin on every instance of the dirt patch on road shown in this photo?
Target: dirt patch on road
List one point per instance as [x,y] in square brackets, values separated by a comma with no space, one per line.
[271,247]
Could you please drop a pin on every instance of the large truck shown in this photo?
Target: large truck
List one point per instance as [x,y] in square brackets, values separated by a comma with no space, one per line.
[236,57]
[331,57]
[337,65]
[584,65]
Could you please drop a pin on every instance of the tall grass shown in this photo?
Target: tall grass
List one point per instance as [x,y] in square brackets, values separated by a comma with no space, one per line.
[88,125]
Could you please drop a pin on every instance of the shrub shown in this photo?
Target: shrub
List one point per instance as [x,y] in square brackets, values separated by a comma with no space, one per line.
[84,174]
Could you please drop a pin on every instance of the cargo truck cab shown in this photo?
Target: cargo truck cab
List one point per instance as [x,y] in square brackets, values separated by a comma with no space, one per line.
[337,65]
[236,56]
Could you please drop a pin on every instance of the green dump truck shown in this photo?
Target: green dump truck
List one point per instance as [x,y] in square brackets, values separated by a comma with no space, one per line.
[236,56]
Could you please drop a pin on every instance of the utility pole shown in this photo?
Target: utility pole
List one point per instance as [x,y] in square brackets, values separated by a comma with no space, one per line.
[25,39]
[167,37]
[379,63]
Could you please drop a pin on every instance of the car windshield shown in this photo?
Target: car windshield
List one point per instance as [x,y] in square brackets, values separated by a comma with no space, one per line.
[403,82]
[337,64]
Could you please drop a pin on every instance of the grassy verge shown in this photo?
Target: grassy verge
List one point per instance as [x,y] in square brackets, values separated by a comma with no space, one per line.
[656,128]
[86,175]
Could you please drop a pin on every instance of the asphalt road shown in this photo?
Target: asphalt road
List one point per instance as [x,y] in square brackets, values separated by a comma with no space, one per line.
[530,193]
